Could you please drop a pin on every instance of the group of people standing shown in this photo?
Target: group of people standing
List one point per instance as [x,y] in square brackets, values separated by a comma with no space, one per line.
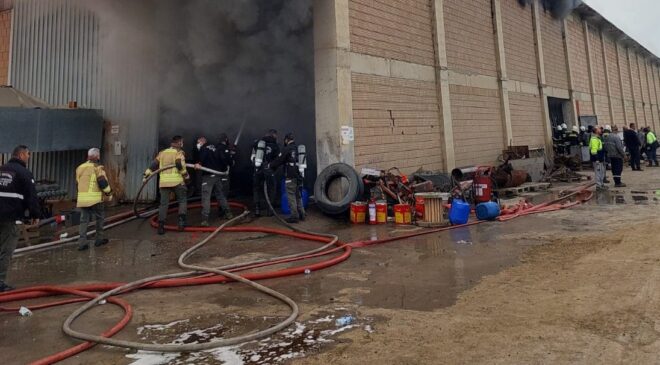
[605,144]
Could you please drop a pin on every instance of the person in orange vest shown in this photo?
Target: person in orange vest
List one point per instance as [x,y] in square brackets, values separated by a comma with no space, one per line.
[171,180]
[92,186]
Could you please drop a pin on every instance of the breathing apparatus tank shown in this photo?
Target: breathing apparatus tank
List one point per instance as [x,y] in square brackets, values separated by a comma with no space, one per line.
[302,159]
[258,154]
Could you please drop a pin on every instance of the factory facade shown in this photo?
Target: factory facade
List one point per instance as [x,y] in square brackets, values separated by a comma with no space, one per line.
[430,84]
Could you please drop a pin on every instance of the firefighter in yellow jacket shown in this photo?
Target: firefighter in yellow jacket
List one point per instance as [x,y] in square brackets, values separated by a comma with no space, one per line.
[92,186]
[171,180]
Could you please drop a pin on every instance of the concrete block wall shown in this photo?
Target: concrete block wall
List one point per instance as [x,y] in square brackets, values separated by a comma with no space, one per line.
[480,70]
[554,55]
[5,37]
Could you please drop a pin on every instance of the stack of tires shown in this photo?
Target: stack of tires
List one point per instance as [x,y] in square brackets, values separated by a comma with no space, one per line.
[353,191]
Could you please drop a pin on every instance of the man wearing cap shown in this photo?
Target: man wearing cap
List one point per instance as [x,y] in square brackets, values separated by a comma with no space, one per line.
[614,150]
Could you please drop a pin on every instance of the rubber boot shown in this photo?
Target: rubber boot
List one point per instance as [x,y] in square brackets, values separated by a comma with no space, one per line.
[82,244]
[161,228]
[226,213]
[100,242]
[292,220]
[205,221]
[182,222]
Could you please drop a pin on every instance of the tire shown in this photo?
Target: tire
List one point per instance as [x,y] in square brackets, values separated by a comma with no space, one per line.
[327,176]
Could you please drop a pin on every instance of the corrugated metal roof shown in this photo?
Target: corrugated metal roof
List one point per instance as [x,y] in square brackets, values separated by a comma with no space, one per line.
[58,55]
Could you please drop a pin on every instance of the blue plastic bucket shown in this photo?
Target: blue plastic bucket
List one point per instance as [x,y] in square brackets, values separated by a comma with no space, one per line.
[488,211]
[459,213]
[284,203]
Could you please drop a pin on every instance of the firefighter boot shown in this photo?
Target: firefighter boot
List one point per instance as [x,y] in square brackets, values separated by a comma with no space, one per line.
[182,222]
[205,221]
[226,213]
[161,228]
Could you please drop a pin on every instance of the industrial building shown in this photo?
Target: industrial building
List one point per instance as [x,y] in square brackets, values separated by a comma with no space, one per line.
[430,84]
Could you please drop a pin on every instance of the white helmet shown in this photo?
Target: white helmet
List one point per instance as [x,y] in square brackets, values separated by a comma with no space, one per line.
[559,127]
[608,128]
[564,126]
[575,128]
[583,128]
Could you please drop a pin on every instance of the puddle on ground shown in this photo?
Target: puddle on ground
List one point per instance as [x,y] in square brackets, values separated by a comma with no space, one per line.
[298,340]
[622,198]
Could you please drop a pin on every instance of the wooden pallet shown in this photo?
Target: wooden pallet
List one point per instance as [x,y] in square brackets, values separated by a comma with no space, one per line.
[524,188]
[570,179]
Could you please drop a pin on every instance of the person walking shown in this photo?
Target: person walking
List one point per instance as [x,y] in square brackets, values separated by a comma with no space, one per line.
[215,158]
[614,149]
[598,157]
[289,158]
[18,195]
[92,184]
[651,147]
[173,180]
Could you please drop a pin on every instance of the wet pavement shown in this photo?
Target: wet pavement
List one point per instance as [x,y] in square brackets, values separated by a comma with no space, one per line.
[423,273]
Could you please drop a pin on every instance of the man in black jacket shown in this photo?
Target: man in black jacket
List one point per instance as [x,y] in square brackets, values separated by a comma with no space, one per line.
[631,140]
[17,195]
[289,158]
[218,158]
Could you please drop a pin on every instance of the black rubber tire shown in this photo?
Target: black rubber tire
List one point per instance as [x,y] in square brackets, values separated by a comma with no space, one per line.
[329,174]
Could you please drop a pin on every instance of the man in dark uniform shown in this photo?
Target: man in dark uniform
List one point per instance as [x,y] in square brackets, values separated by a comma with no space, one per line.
[270,151]
[17,195]
[631,141]
[292,178]
[214,157]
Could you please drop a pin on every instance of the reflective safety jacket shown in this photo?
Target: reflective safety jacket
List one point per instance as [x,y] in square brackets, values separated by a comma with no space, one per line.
[650,138]
[596,148]
[92,184]
[174,176]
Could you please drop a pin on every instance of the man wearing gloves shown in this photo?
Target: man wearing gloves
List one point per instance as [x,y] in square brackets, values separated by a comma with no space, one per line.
[92,186]
[289,158]
[172,180]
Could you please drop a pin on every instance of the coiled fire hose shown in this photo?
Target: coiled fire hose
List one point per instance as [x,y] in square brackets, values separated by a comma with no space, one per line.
[196,269]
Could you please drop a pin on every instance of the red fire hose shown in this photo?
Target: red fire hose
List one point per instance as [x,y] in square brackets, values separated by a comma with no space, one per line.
[85,292]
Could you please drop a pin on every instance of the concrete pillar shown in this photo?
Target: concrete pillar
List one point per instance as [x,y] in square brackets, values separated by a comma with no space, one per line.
[442,84]
[623,96]
[632,86]
[540,66]
[608,82]
[569,72]
[649,87]
[332,74]
[641,88]
[655,73]
[501,69]
[590,67]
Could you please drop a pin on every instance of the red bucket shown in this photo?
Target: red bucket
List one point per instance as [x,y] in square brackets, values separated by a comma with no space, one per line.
[358,212]
[402,214]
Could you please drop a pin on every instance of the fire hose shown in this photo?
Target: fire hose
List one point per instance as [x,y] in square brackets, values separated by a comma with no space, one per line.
[216,276]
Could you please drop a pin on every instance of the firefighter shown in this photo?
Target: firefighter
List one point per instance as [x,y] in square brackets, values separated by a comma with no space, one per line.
[92,185]
[264,151]
[172,180]
[292,178]
[17,195]
[573,140]
[218,158]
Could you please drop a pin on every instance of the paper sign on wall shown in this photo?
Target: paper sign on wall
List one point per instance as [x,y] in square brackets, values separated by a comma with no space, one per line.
[114,129]
[347,135]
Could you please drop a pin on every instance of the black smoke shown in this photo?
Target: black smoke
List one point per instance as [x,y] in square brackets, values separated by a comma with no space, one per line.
[559,8]
[218,64]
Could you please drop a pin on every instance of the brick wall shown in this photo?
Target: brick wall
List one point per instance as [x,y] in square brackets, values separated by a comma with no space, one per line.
[396,123]
[636,87]
[578,54]
[612,68]
[554,55]
[526,120]
[598,62]
[5,36]
[469,36]
[625,74]
[396,29]
[586,108]
[477,123]
[603,110]
[617,108]
[519,46]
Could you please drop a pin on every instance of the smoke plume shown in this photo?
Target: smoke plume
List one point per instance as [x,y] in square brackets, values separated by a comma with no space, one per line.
[214,65]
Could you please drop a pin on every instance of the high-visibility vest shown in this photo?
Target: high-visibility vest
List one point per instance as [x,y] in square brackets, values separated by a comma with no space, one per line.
[650,138]
[595,145]
[89,192]
[171,177]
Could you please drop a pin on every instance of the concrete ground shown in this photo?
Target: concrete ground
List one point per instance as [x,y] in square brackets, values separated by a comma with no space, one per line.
[573,286]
